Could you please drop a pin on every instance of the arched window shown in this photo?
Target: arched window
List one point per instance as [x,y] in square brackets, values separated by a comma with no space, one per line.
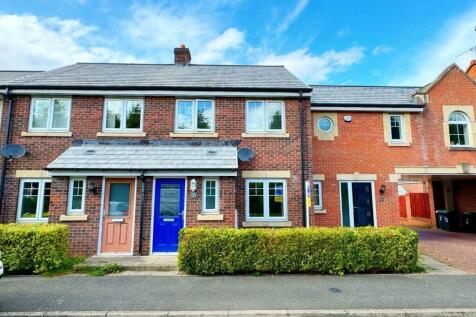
[458,125]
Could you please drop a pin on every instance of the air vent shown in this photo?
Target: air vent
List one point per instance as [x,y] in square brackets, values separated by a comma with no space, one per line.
[212,152]
[90,151]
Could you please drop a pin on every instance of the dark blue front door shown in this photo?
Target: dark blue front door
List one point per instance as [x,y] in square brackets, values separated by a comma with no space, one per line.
[168,214]
[363,209]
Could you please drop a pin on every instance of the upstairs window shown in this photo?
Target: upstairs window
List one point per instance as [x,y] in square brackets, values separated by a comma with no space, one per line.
[195,116]
[396,128]
[458,125]
[50,114]
[123,115]
[264,116]
[34,200]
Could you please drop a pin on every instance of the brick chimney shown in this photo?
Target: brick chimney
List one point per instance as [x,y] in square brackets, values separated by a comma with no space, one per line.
[471,70]
[182,55]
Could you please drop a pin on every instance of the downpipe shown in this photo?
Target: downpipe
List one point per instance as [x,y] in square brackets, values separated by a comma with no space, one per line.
[7,141]
[303,168]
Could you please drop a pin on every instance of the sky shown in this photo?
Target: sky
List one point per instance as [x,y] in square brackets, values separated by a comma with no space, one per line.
[365,42]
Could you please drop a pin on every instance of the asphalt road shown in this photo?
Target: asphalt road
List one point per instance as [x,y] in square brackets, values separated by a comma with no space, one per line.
[120,292]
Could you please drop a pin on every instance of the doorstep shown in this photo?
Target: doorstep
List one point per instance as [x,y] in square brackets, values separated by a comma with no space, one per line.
[158,263]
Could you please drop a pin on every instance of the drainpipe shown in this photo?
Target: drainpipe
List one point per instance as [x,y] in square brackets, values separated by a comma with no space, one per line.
[7,141]
[303,181]
[142,206]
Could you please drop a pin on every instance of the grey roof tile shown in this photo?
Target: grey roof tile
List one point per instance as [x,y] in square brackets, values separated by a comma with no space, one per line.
[7,76]
[147,157]
[363,95]
[158,76]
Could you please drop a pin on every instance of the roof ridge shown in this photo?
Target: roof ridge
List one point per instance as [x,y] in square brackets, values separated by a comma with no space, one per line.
[170,64]
[364,86]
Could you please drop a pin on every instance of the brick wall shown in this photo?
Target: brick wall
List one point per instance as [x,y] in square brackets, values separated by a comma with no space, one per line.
[159,115]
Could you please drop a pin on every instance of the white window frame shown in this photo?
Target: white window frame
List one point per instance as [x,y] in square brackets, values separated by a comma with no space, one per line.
[467,122]
[265,118]
[317,206]
[194,116]
[123,115]
[266,216]
[49,120]
[330,120]
[39,204]
[402,128]
[72,211]
[217,196]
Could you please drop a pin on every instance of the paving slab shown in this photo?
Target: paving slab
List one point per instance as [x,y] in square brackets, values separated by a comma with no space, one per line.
[157,263]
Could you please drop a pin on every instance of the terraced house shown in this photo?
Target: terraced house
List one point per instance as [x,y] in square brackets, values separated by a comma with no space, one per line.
[128,154]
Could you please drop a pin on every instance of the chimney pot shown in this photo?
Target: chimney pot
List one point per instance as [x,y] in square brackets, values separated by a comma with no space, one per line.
[182,55]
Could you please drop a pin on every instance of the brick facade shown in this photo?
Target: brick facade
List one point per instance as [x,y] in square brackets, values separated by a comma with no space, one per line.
[159,114]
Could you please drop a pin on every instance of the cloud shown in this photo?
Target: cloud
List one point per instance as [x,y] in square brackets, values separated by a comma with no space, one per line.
[316,68]
[454,37]
[49,43]
[381,49]
[343,32]
[289,19]
[158,29]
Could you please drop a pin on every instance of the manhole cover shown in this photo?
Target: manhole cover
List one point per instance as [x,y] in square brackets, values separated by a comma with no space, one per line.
[335,290]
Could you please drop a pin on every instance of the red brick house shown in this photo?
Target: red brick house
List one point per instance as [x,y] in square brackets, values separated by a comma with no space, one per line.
[369,140]
[127,154]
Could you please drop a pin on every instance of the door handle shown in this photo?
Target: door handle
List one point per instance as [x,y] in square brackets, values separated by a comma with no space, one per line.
[168,219]
[117,219]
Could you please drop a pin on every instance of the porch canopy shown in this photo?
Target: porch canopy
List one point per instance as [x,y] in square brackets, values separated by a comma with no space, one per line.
[174,158]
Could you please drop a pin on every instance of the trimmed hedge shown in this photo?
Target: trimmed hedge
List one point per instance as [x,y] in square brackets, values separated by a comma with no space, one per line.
[35,248]
[208,251]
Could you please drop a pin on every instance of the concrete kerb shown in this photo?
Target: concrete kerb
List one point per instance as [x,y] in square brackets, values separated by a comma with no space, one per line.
[463,312]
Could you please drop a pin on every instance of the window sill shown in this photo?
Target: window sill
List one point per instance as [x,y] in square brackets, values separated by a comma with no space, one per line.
[265,135]
[32,221]
[46,133]
[267,224]
[193,135]
[66,218]
[320,211]
[461,148]
[122,134]
[399,144]
[210,217]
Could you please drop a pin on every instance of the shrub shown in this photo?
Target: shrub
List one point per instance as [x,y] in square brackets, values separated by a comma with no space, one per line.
[36,248]
[209,251]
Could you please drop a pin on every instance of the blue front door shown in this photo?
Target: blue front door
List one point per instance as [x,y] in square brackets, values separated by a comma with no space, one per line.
[168,214]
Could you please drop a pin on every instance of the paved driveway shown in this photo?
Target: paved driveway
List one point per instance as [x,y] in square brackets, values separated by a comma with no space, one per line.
[454,248]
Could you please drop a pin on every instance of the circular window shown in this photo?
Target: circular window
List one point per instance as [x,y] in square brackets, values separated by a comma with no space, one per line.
[325,124]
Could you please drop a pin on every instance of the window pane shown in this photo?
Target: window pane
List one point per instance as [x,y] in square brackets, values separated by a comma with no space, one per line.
[255,116]
[256,199]
[77,195]
[29,199]
[210,195]
[46,201]
[113,114]
[185,115]
[325,124]
[119,199]
[40,114]
[169,200]
[204,115]
[453,129]
[133,114]
[396,135]
[276,197]
[60,114]
[274,112]
[317,200]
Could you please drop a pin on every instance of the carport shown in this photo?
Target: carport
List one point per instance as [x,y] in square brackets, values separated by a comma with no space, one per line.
[449,188]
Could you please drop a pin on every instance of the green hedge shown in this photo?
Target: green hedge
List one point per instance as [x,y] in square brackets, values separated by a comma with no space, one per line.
[318,250]
[35,248]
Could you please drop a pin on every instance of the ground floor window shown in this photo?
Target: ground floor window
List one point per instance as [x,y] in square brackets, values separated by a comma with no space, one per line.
[266,199]
[77,190]
[317,191]
[34,200]
[211,189]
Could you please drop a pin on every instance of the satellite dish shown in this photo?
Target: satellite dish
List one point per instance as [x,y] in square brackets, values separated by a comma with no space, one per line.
[12,151]
[245,154]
